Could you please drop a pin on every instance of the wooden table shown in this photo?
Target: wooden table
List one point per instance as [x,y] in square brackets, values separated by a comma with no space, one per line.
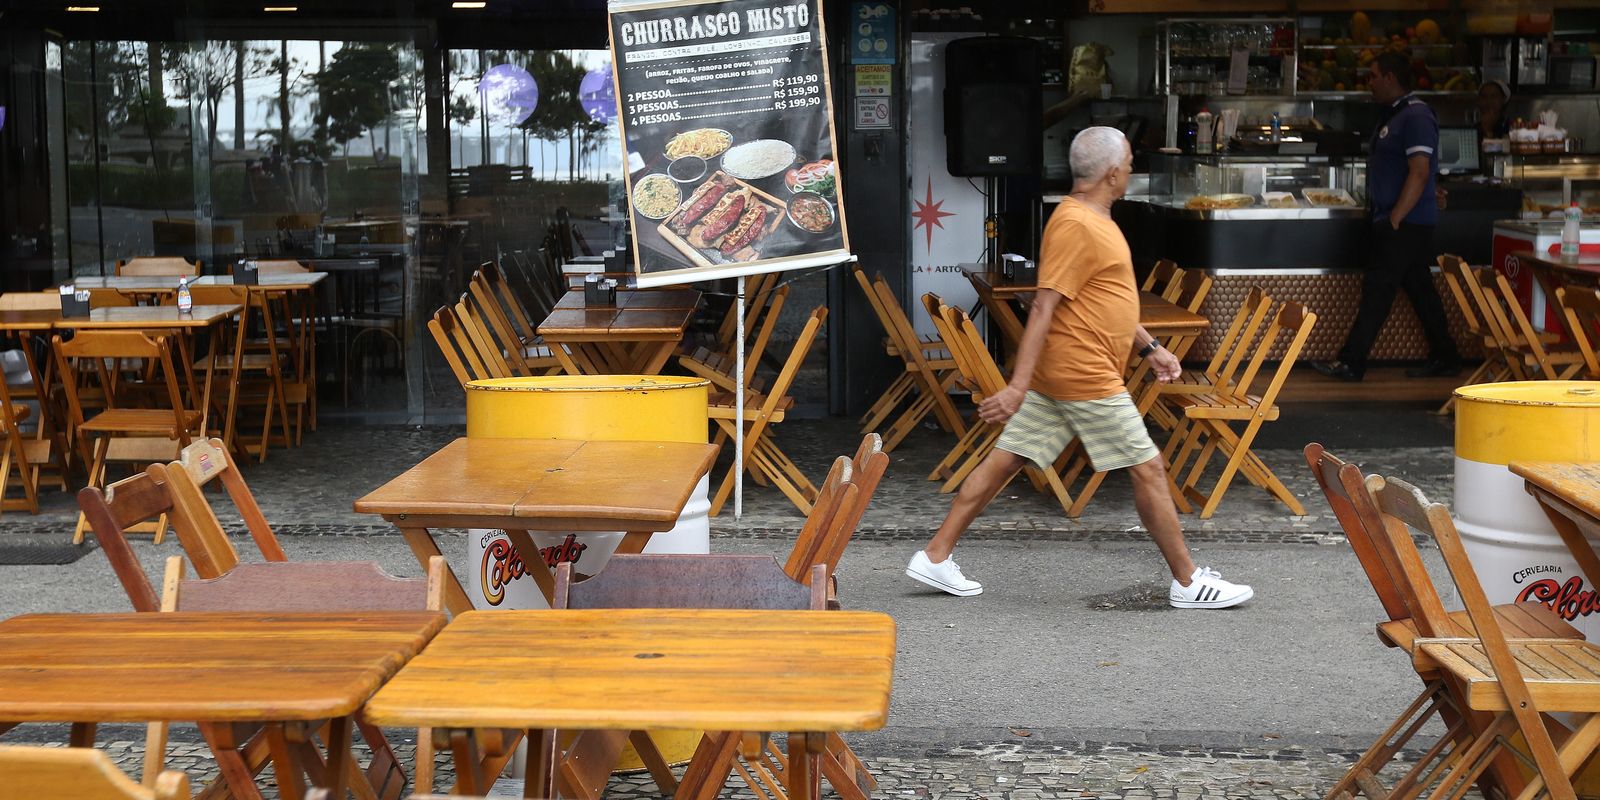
[518,485]
[807,672]
[141,284]
[1159,316]
[1569,493]
[290,673]
[637,299]
[615,341]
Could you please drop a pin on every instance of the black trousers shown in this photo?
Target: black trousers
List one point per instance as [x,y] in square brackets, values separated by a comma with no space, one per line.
[1400,260]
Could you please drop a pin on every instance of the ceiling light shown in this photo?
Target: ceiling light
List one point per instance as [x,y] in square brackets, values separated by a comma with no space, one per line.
[83,8]
[281,8]
[468,4]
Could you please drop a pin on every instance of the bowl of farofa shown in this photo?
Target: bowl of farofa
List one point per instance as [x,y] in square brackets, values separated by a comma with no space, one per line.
[656,196]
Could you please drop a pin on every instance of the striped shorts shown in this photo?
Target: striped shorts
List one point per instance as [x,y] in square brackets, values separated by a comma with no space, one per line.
[1111,430]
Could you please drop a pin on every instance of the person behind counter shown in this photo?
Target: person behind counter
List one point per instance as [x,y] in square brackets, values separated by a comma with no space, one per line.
[1493,96]
[1401,167]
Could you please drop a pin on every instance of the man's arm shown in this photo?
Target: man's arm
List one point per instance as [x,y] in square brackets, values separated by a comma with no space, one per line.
[1165,364]
[1417,168]
[1001,405]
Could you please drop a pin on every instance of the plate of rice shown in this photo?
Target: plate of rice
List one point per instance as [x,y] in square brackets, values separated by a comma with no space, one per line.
[655,196]
[761,158]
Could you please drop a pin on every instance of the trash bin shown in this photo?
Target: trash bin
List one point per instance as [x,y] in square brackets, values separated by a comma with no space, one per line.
[1516,552]
[599,408]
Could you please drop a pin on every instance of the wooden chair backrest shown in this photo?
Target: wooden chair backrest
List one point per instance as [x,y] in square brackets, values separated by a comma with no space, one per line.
[865,282]
[717,580]
[869,465]
[457,347]
[490,353]
[1293,320]
[1160,275]
[193,517]
[30,301]
[985,371]
[1345,488]
[934,306]
[769,323]
[157,265]
[1450,266]
[791,367]
[78,773]
[1192,291]
[280,266]
[100,347]
[1495,323]
[1242,330]
[837,490]
[1521,328]
[492,316]
[904,334]
[1172,286]
[1405,503]
[527,282]
[757,290]
[110,512]
[304,586]
[1580,305]
[498,284]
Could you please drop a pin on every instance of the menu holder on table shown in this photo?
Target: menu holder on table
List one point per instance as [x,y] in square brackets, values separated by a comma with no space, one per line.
[245,272]
[74,302]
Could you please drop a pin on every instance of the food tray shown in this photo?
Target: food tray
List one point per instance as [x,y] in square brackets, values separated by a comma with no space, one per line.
[777,212]
[1329,198]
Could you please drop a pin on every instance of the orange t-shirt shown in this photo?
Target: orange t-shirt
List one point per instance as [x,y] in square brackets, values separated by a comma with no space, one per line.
[1085,257]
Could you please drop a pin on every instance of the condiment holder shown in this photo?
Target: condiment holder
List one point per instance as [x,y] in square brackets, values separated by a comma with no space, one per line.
[74,302]
[245,272]
[598,292]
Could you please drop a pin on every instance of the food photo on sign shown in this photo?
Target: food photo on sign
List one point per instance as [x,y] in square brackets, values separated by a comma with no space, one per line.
[727,121]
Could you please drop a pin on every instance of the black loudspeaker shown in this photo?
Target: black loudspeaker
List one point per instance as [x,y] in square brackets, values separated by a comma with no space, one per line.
[993,106]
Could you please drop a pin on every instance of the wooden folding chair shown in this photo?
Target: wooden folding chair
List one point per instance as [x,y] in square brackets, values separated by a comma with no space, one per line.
[456,345]
[321,586]
[931,375]
[18,454]
[497,285]
[1395,569]
[527,355]
[1552,361]
[671,581]
[1211,416]
[490,353]
[721,368]
[77,773]
[1493,367]
[1004,316]
[979,368]
[758,291]
[147,266]
[53,455]
[1163,276]
[763,459]
[1218,373]
[118,432]
[907,383]
[1517,680]
[1580,306]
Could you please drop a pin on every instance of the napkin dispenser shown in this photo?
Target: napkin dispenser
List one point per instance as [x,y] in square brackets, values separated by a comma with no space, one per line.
[1018,269]
[598,292]
[74,302]
[246,273]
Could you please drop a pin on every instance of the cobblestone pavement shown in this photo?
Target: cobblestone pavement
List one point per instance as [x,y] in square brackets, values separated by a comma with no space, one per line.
[1128,699]
[1013,770]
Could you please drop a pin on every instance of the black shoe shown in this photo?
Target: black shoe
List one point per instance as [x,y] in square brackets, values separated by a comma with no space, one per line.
[1338,370]
[1436,368]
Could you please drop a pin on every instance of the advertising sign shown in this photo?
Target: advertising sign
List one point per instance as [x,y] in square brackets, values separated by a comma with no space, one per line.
[727,118]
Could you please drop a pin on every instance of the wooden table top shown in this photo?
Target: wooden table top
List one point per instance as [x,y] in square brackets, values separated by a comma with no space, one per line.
[635,299]
[649,669]
[617,324]
[118,317]
[1578,484]
[169,283]
[549,484]
[201,667]
[1587,263]
[1161,316]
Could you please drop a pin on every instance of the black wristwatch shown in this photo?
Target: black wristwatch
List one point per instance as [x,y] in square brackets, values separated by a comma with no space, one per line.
[1150,348]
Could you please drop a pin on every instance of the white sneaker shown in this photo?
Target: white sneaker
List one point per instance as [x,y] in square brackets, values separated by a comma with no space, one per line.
[1207,589]
[945,576]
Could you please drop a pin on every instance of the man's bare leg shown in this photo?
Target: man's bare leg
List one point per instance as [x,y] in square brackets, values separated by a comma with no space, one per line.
[1160,517]
[980,487]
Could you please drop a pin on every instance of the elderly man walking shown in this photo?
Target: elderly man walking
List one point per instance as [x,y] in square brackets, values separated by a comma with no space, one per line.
[1068,381]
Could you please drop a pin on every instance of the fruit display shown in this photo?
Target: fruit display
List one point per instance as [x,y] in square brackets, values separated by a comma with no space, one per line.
[1338,57]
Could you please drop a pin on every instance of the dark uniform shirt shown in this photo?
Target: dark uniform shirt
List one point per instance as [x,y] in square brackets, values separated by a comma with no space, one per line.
[1405,129]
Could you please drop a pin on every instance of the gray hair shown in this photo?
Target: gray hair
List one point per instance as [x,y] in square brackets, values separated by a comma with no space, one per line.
[1096,151]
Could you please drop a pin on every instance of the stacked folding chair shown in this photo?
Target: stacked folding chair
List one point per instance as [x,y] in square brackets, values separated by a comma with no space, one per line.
[924,387]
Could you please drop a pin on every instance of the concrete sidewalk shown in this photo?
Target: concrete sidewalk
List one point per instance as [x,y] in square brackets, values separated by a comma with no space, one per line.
[1069,677]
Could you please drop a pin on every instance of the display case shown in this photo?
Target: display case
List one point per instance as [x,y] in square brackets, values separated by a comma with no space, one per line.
[1226,186]
[1337,50]
[1225,56]
[1550,183]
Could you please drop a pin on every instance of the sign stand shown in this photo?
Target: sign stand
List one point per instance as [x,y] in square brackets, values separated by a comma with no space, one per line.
[738,406]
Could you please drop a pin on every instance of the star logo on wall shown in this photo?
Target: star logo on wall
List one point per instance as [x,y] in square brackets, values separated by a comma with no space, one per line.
[928,214]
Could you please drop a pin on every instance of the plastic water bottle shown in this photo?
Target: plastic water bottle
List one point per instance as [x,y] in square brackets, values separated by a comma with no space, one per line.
[1277,127]
[1202,131]
[185,301]
[1571,221]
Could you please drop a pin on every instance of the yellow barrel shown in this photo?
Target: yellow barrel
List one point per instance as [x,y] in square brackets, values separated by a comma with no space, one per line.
[598,408]
[646,408]
[1516,553]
